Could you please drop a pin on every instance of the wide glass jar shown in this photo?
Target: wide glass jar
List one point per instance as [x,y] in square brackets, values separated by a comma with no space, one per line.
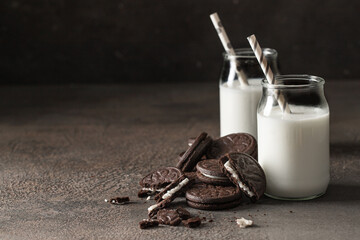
[293,147]
[238,102]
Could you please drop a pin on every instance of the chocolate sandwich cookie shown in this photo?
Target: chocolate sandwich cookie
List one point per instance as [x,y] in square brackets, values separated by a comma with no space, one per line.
[194,153]
[246,173]
[182,153]
[166,196]
[208,171]
[211,197]
[158,180]
[237,142]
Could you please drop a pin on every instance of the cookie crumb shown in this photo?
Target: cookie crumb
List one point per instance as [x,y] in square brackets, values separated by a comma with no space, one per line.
[118,200]
[243,223]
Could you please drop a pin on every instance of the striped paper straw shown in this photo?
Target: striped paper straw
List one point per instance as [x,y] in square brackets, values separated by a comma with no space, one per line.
[267,72]
[228,47]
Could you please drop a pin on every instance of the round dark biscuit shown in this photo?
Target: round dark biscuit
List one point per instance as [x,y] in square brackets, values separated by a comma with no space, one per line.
[210,167]
[213,181]
[206,193]
[236,142]
[161,177]
[215,206]
[249,170]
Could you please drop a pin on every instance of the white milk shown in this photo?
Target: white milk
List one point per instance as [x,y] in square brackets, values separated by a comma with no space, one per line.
[238,106]
[294,152]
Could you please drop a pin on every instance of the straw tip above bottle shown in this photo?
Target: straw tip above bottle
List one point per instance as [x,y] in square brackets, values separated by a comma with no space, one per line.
[251,36]
[214,16]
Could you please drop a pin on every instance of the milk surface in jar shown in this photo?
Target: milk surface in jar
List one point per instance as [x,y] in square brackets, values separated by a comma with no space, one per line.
[293,147]
[238,106]
[238,102]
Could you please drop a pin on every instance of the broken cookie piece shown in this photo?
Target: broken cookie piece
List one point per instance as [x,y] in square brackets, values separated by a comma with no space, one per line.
[168,217]
[183,213]
[148,223]
[192,222]
[165,197]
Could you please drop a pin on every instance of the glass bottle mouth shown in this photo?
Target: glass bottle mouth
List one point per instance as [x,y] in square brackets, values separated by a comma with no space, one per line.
[294,81]
[248,53]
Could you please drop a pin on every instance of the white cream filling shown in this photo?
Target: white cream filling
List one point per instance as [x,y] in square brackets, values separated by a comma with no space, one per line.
[170,193]
[175,189]
[152,189]
[152,207]
[214,177]
[243,223]
[235,175]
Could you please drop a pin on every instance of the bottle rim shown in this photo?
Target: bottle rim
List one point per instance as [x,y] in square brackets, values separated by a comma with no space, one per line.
[249,53]
[294,81]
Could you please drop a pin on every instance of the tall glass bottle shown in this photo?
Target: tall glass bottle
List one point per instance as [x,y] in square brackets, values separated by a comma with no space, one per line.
[238,103]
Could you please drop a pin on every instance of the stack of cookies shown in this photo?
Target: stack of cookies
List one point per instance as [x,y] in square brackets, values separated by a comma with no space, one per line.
[212,174]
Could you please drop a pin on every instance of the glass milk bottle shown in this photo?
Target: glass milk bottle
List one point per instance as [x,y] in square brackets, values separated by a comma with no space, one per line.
[293,148]
[238,102]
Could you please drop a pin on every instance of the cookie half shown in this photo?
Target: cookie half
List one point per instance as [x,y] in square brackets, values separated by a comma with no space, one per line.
[237,142]
[245,172]
[208,171]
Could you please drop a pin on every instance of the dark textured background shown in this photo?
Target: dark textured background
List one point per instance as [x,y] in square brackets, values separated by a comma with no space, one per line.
[114,41]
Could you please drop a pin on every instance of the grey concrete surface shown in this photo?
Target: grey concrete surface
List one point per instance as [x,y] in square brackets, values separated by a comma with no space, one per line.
[65,149]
